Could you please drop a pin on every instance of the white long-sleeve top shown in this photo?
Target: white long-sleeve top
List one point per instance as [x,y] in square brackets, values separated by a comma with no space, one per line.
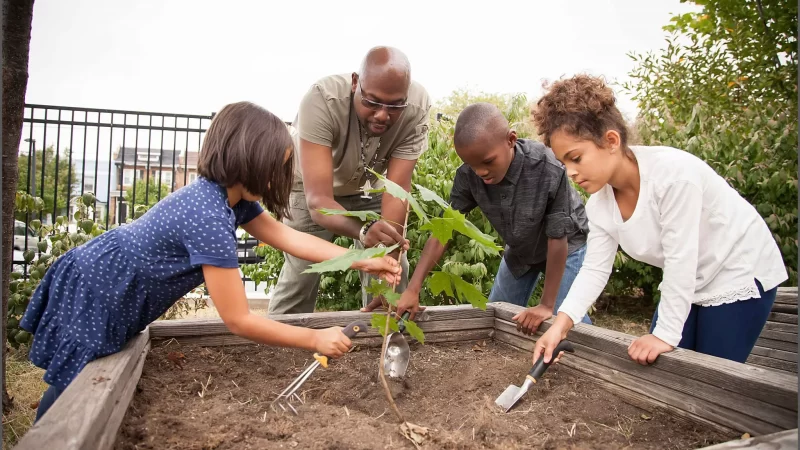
[711,243]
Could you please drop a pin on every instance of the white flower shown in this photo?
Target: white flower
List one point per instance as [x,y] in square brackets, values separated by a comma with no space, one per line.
[366,188]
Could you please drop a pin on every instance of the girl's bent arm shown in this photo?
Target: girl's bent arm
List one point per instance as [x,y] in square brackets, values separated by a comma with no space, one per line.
[227,292]
[681,208]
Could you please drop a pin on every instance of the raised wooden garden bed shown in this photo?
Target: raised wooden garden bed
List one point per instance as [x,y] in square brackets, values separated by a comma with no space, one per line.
[777,346]
[715,394]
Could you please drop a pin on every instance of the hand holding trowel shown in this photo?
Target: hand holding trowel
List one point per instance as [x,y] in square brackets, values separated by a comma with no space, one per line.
[512,394]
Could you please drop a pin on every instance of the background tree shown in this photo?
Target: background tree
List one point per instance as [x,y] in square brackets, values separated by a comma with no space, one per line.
[17,19]
[147,193]
[67,179]
[725,90]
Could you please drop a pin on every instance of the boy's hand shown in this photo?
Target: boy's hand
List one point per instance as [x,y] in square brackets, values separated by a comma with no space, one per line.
[528,321]
[331,342]
[386,268]
[646,349]
[409,301]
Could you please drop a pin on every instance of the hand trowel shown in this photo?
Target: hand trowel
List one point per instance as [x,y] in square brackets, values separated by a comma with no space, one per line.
[512,394]
[395,361]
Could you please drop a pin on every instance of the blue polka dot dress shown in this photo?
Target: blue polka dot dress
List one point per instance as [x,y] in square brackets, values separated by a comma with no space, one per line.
[98,296]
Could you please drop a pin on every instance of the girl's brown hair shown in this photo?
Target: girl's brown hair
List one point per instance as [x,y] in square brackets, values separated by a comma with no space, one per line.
[583,106]
[247,144]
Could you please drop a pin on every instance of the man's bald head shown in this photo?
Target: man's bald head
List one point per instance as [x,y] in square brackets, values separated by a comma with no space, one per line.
[386,65]
[480,123]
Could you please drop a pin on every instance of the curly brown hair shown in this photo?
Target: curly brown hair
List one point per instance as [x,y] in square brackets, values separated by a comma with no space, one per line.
[583,106]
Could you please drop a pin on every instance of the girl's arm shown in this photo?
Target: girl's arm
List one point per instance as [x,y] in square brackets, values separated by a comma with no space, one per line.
[311,248]
[228,295]
[681,208]
[601,249]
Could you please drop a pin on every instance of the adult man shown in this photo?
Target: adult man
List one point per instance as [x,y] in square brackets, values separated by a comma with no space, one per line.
[376,118]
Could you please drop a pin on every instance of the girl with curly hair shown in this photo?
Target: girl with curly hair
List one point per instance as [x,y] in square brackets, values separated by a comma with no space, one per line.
[667,208]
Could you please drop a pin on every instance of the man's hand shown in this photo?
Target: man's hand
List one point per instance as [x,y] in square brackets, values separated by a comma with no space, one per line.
[382,232]
[409,301]
[528,321]
[646,349]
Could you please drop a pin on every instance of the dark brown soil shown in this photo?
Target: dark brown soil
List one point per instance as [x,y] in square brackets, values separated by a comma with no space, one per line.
[192,397]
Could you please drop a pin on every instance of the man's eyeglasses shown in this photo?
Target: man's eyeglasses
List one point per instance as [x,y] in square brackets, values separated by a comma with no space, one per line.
[376,106]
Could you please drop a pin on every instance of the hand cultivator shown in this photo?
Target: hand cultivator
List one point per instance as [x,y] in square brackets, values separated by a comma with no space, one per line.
[285,399]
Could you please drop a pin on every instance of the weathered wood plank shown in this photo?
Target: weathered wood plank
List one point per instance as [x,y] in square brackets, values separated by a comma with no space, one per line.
[736,411]
[786,295]
[782,327]
[121,408]
[376,341]
[426,326]
[79,418]
[783,318]
[578,367]
[773,353]
[784,308]
[751,381]
[784,440]
[780,336]
[790,347]
[772,363]
[199,327]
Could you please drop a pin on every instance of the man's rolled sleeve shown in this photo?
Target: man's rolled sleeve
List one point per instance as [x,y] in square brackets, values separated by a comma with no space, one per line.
[314,120]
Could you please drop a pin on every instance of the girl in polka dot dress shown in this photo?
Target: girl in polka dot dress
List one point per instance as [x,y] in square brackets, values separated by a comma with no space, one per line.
[98,296]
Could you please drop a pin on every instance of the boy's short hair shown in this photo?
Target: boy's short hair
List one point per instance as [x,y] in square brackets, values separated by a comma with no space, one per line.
[479,121]
[247,144]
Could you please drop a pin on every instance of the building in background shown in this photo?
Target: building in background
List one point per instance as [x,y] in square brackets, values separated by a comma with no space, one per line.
[173,168]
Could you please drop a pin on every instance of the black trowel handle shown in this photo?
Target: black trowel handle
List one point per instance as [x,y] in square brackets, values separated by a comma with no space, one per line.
[401,324]
[538,369]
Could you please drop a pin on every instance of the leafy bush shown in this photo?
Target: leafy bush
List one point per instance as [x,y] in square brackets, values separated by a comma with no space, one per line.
[725,90]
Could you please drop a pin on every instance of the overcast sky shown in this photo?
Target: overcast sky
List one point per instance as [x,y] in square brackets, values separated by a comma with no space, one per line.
[195,56]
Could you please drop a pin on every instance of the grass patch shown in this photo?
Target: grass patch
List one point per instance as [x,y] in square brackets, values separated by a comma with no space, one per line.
[26,386]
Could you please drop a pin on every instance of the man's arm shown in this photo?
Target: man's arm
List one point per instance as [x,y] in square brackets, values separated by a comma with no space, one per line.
[393,210]
[316,162]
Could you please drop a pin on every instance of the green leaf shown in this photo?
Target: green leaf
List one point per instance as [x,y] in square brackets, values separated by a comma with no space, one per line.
[346,260]
[397,191]
[415,331]
[379,322]
[440,282]
[442,229]
[465,227]
[376,287]
[88,199]
[430,196]
[392,297]
[28,255]
[362,215]
[469,293]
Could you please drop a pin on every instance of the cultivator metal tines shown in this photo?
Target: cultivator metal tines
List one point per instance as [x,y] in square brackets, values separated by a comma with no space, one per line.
[285,398]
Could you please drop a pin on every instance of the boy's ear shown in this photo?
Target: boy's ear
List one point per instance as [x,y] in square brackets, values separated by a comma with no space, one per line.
[511,138]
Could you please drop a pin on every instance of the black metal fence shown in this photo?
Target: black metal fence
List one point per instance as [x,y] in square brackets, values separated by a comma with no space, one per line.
[125,158]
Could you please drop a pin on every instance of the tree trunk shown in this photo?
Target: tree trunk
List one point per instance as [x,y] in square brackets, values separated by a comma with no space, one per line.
[17,19]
